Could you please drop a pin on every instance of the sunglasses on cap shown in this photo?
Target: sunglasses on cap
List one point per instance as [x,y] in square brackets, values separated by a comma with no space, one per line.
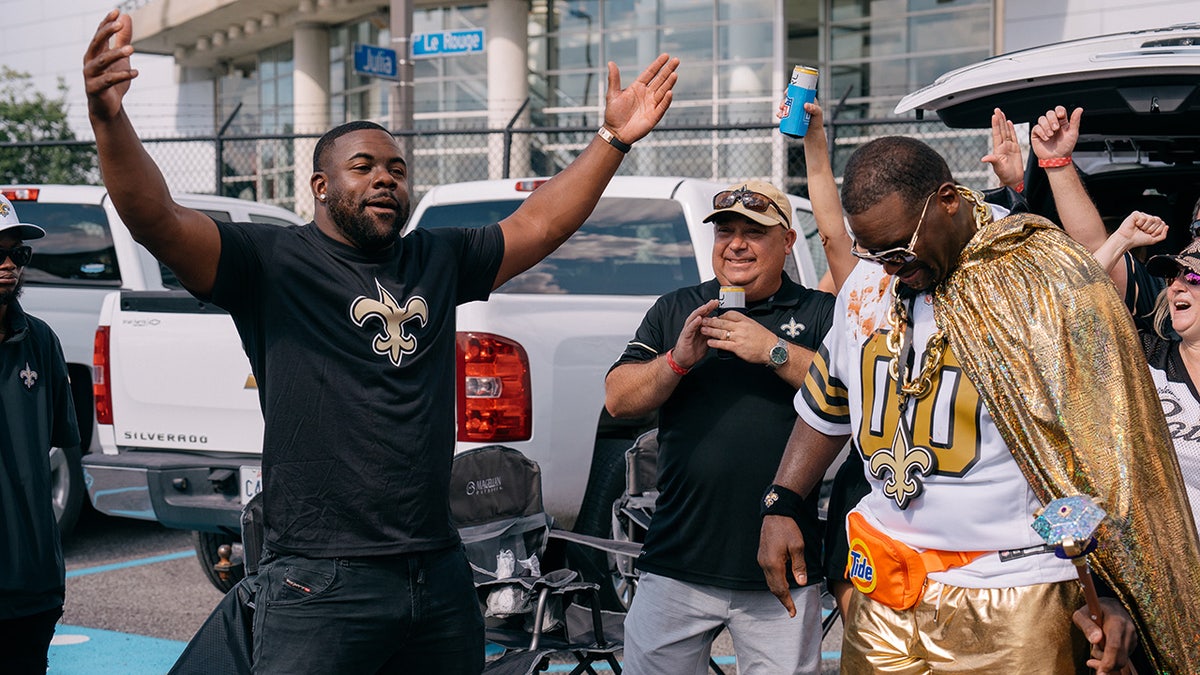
[1189,278]
[20,255]
[755,201]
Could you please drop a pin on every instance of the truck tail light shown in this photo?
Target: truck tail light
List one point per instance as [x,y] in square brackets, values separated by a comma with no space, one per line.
[101,392]
[494,400]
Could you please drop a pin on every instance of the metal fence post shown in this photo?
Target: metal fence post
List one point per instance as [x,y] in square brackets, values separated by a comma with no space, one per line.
[508,136]
[220,150]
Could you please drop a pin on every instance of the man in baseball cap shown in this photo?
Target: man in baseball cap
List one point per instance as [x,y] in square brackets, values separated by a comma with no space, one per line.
[37,399]
[756,200]
[699,568]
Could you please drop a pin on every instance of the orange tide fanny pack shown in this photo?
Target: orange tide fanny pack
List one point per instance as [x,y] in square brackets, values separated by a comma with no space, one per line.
[890,572]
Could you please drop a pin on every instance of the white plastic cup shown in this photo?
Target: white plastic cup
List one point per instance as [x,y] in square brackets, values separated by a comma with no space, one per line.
[802,89]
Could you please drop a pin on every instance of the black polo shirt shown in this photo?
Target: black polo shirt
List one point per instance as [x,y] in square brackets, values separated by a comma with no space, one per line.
[721,436]
[38,414]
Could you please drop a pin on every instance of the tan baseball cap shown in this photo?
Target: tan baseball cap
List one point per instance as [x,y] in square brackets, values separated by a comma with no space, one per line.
[777,210]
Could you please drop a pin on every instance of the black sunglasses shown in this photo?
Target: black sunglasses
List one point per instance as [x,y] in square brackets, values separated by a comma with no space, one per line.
[1194,229]
[20,255]
[755,201]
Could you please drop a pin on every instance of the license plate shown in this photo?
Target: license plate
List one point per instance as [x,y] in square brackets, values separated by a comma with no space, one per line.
[251,482]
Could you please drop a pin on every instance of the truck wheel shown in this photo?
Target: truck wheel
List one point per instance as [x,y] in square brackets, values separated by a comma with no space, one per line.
[606,483]
[66,488]
[207,544]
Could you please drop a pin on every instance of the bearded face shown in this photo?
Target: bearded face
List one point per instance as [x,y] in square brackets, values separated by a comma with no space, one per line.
[370,223]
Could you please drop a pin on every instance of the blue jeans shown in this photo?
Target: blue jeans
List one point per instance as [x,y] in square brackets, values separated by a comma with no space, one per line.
[412,613]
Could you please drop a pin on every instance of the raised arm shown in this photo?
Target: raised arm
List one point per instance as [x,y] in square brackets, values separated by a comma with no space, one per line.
[558,208]
[185,240]
[1005,156]
[826,203]
[1053,139]
[1138,229]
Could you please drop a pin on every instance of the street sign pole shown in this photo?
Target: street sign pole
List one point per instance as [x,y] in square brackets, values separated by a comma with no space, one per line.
[402,92]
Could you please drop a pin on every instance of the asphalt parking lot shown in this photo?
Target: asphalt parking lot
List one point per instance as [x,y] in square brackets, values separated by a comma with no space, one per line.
[136,595]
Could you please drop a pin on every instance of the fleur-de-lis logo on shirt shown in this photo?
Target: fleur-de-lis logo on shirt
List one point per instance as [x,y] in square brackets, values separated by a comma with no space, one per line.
[906,463]
[392,341]
[792,328]
[29,376]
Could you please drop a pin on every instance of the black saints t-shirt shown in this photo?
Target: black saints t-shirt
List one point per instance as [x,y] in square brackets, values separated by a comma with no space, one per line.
[354,357]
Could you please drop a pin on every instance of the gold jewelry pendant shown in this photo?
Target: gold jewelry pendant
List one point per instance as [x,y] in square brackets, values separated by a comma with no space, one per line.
[906,463]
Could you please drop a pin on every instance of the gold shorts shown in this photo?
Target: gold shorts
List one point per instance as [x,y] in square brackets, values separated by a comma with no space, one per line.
[1027,629]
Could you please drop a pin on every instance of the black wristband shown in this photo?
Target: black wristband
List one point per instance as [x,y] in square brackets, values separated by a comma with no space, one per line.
[780,501]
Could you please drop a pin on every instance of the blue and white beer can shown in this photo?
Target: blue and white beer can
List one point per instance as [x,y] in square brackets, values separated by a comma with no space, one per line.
[801,89]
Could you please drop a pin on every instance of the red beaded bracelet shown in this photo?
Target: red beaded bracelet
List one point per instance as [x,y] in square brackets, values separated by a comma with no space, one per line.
[1019,187]
[679,370]
[1054,162]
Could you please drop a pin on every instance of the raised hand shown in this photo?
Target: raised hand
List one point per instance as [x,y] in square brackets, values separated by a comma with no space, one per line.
[632,112]
[1141,229]
[1056,133]
[1005,157]
[106,68]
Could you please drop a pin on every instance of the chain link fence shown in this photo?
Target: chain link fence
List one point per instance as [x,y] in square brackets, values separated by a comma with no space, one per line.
[276,168]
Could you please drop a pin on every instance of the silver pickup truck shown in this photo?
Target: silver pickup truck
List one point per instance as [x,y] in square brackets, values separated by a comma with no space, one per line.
[182,442]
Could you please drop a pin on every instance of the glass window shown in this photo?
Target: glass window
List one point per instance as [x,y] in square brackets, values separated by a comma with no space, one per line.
[77,248]
[626,247]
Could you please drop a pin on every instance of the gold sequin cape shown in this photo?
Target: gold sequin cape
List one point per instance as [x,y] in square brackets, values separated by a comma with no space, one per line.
[1041,333]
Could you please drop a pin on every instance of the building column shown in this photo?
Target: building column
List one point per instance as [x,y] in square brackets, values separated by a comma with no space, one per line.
[507,83]
[310,100]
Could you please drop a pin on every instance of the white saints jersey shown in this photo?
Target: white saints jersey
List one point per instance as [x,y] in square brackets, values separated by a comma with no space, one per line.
[973,496]
[1182,410]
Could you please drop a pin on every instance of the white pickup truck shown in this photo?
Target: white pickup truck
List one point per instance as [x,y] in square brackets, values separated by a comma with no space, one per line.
[181,442]
[86,254]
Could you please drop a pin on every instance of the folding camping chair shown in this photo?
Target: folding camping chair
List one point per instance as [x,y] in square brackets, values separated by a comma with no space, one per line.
[532,613]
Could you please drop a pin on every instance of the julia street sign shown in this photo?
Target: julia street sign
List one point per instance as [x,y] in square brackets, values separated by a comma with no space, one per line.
[449,42]
[375,61]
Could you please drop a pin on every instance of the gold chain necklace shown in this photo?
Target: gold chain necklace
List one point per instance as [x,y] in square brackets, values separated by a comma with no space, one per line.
[898,318]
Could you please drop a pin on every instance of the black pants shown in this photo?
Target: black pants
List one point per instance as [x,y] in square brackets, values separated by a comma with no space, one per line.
[24,642]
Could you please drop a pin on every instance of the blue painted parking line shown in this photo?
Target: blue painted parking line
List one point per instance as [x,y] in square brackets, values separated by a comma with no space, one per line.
[130,563]
[104,652]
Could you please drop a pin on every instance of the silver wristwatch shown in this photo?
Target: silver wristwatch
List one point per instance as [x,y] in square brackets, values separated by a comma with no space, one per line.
[778,355]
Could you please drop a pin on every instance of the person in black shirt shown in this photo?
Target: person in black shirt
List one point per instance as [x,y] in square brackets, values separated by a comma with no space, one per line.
[350,333]
[723,425]
[38,414]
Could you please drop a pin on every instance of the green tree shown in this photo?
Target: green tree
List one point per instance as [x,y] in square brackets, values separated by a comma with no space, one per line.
[28,115]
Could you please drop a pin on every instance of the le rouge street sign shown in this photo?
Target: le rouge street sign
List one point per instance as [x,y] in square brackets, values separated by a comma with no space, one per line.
[375,61]
[425,45]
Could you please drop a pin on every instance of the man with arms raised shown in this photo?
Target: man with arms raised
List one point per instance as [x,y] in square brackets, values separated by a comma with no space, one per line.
[350,334]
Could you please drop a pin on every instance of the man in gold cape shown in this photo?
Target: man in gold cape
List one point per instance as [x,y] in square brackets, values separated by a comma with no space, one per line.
[1043,336]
